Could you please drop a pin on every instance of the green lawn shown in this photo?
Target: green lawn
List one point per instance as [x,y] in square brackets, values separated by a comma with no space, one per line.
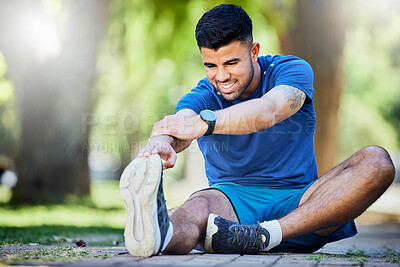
[99,224]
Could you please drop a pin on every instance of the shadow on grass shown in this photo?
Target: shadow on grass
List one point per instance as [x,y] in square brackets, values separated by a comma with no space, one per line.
[56,234]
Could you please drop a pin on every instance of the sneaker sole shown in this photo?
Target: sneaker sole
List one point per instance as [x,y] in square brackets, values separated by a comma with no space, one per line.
[211,230]
[138,187]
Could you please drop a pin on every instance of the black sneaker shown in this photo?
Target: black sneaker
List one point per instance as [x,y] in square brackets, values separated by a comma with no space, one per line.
[147,226]
[224,236]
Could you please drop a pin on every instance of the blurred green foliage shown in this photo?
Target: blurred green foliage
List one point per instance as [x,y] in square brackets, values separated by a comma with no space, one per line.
[5,194]
[9,127]
[370,107]
[147,63]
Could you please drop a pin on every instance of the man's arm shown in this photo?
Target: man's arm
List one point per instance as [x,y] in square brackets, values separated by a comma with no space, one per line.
[259,114]
[251,116]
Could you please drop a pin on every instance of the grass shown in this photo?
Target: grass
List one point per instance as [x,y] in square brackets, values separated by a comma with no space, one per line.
[394,256]
[101,224]
[59,254]
[360,259]
[356,254]
[108,210]
[58,234]
[318,257]
[81,216]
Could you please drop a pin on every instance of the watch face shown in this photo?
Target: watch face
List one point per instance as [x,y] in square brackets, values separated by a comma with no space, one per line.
[208,115]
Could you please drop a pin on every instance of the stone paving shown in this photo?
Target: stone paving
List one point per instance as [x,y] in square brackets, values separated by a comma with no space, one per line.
[373,246]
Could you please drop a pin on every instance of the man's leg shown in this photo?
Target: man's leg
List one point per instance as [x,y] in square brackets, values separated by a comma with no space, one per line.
[334,199]
[341,195]
[190,220]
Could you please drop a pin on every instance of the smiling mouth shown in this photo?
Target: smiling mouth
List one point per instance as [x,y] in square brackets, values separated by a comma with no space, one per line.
[227,87]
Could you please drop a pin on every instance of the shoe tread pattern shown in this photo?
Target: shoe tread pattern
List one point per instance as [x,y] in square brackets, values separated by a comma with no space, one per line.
[139,186]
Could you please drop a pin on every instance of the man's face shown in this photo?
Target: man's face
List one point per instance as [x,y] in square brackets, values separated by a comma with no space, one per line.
[229,69]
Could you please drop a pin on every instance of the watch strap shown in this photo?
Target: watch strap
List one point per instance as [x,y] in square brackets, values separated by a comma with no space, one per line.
[208,117]
[211,126]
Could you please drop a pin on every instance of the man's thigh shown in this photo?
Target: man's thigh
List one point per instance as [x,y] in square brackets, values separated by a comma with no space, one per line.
[353,160]
[313,190]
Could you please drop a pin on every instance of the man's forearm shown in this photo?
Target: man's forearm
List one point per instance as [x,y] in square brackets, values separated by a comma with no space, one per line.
[244,118]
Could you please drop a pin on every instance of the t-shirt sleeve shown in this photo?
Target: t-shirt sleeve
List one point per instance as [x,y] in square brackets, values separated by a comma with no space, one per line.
[297,73]
[199,98]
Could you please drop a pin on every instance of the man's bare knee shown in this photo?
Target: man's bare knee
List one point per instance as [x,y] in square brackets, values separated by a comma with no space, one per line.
[378,162]
[381,161]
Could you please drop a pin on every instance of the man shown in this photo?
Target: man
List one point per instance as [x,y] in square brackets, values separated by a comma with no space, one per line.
[254,121]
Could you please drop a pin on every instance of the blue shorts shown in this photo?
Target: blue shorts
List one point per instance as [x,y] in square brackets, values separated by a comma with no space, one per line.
[257,204]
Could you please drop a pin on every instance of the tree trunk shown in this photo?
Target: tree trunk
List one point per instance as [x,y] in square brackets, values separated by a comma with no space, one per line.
[54,90]
[318,37]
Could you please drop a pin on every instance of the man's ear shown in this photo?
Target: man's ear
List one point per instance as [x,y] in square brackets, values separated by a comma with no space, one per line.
[255,49]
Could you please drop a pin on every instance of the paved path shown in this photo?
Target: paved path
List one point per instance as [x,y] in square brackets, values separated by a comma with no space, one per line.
[373,246]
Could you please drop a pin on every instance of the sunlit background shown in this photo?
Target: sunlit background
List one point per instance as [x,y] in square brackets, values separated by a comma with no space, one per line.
[82,82]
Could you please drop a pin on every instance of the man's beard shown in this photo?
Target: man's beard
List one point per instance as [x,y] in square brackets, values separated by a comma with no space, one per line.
[241,87]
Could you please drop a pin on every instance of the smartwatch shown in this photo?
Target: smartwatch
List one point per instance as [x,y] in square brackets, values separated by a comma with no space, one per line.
[210,118]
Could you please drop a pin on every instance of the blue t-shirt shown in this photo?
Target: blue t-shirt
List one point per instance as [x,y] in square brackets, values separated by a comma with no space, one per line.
[281,156]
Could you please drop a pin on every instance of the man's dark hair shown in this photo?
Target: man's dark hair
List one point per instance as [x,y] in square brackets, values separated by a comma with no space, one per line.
[222,25]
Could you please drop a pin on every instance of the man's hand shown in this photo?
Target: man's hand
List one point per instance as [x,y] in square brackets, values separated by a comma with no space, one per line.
[181,127]
[160,145]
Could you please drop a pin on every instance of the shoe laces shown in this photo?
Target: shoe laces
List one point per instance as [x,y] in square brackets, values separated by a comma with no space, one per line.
[247,236]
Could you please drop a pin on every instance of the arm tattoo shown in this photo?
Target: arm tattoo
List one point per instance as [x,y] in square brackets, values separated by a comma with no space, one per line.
[293,95]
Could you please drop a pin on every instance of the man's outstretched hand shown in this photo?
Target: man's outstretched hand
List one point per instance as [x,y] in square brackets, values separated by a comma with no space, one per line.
[160,145]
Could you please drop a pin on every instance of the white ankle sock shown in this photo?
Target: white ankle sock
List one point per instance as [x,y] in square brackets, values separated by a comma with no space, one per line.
[275,233]
[168,236]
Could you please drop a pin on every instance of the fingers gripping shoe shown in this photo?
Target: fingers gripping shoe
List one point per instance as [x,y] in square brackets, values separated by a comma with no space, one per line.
[224,236]
[147,224]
